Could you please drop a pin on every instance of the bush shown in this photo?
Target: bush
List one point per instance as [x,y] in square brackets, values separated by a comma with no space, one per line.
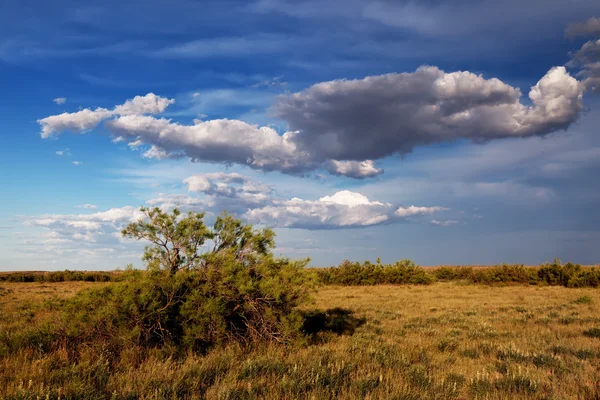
[354,273]
[569,275]
[504,274]
[238,292]
[406,272]
[60,276]
[592,333]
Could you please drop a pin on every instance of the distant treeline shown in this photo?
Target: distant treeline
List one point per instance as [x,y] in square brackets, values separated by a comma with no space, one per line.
[60,276]
[353,273]
[406,272]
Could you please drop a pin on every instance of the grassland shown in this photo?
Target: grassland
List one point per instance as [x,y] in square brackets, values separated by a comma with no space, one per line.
[440,341]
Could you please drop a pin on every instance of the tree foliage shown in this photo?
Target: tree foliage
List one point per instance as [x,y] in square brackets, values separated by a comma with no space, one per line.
[193,297]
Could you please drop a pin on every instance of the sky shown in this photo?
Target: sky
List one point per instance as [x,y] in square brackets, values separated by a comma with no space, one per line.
[455,132]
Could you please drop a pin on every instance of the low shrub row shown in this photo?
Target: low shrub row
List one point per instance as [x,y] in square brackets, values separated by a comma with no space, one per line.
[355,273]
[406,272]
[60,276]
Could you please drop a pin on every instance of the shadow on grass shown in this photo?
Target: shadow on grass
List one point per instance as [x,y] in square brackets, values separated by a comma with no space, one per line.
[335,320]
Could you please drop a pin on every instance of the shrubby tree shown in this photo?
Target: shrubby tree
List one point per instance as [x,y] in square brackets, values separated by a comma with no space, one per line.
[203,286]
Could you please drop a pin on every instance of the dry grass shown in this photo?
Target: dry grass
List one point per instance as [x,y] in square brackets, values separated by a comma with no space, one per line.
[440,341]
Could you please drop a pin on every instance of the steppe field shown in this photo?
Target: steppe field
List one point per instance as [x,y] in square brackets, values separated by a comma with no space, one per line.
[445,340]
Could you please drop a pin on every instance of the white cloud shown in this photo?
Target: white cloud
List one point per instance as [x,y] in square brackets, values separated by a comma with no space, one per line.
[344,209]
[148,104]
[87,119]
[91,235]
[77,163]
[350,199]
[222,140]
[88,206]
[62,152]
[80,121]
[60,100]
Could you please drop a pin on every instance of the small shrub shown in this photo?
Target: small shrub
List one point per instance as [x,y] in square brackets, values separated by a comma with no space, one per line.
[583,300]
[470,353]
[592,333]
[447,345]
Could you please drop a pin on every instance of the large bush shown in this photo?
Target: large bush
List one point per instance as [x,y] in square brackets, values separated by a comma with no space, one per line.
[238,291]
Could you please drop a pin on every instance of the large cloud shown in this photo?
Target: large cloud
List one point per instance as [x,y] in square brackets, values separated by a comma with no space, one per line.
[378,116]
[341,126]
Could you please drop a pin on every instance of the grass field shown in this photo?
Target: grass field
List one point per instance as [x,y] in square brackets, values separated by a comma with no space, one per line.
[440,341]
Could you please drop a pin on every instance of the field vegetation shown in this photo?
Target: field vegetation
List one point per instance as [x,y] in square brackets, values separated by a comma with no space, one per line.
[236,322]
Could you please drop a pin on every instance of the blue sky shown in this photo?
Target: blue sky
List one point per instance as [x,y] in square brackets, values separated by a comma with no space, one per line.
[461,132]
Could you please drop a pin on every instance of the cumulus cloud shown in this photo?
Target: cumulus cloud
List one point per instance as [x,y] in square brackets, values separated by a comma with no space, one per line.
[60,100]
[342,126]
[87,119]
[344,209]
[77,163]
[86,227]
[148,104]
[221,140]
[62,152]
[80,121]
[590,27]
[389,114]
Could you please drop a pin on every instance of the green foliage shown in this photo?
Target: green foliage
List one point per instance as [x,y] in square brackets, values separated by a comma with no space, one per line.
[453,273]
[592,333]
[238,292]
[59,276]
[175,241]
[504,274]
[583,300]
[350,273]
[367,273]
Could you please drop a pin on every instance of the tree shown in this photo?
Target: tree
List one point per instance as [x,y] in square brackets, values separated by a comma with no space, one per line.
[176,240]
[241,241]
[192,296]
